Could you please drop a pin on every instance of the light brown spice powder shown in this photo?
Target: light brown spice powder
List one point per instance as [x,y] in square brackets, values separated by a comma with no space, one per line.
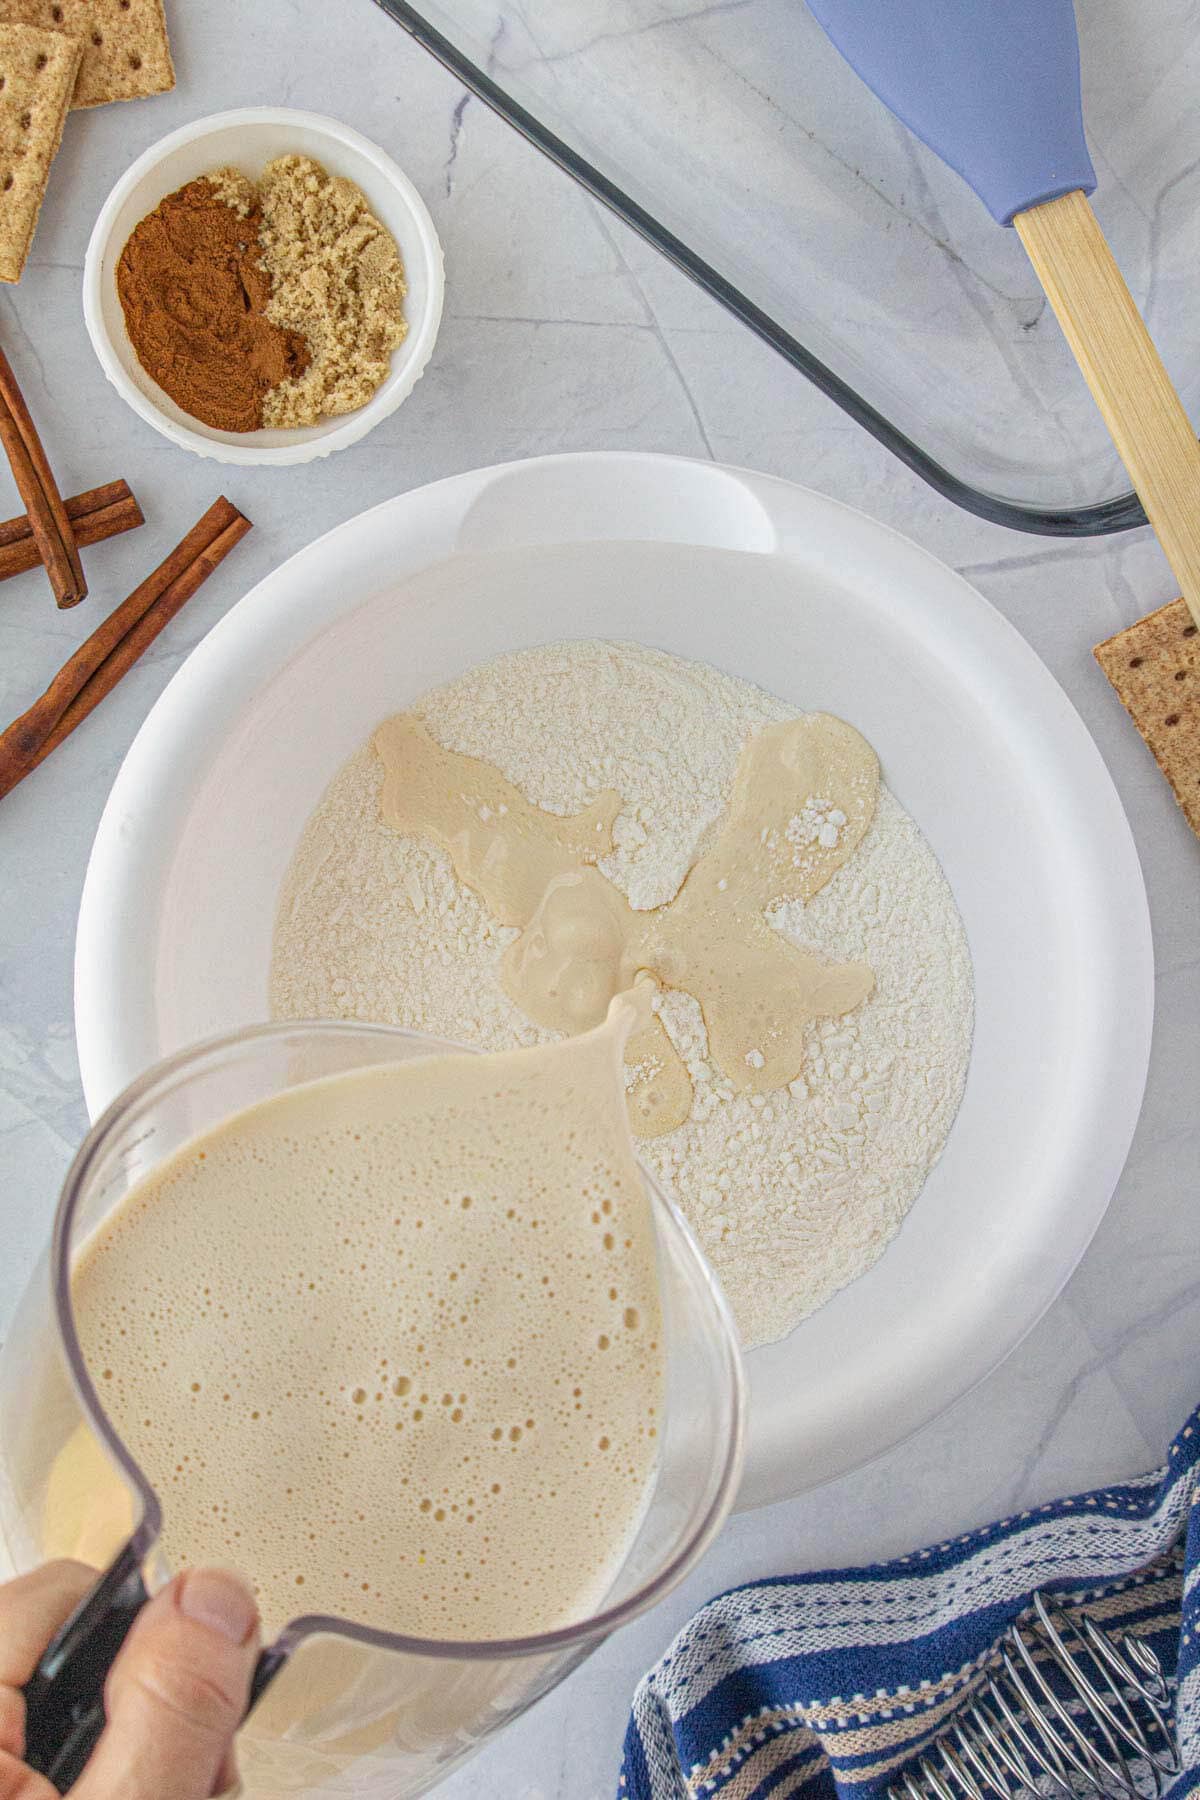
[337,278]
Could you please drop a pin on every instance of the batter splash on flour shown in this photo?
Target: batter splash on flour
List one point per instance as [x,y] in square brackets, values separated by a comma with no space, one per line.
[792,1193]
[581,944]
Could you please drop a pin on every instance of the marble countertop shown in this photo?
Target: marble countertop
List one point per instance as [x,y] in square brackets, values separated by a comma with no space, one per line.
[564,332]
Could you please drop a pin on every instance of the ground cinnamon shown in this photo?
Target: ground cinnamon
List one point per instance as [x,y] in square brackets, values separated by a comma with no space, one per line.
[194,292]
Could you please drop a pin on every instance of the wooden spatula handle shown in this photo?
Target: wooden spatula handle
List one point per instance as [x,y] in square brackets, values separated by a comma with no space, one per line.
[1110,342]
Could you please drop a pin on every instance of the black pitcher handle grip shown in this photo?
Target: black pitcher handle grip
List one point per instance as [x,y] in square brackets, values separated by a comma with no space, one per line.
[64,1697]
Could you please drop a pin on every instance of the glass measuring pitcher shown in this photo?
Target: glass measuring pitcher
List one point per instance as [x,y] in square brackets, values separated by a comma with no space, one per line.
[339,1708]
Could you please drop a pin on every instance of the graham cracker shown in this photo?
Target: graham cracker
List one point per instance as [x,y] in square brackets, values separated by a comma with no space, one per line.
[125,50]
[1155,668]
[37,75]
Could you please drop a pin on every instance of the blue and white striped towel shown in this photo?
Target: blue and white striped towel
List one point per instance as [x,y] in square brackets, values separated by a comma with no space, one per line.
[828,1683]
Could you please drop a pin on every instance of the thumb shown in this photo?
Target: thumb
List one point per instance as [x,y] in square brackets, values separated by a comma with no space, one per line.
[176,1693]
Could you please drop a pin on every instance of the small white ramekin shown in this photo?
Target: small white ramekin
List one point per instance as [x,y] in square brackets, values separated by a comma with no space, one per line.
[248,139]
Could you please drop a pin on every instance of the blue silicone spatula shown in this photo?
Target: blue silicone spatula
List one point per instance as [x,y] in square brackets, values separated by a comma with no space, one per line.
[993,87]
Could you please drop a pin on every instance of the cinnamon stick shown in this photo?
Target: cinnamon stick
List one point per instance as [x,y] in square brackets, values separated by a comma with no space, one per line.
[12,530]
[98,514]
[38,489]
[115,646]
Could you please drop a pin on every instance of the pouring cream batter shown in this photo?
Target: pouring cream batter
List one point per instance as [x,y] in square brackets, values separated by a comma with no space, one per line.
[390,1341]
[803,798]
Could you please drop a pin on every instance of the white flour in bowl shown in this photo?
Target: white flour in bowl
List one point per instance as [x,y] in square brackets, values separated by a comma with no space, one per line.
[792,1194]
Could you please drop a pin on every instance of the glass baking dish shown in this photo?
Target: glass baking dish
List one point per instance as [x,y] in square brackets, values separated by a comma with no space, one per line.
[734,138]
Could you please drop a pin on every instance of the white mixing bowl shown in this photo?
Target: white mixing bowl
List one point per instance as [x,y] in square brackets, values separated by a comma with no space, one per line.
[814,602]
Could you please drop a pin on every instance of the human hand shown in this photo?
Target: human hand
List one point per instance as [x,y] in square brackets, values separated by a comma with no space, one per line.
[174,1696]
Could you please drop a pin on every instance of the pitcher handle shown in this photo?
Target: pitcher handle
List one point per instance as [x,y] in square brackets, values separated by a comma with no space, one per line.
[64,1697]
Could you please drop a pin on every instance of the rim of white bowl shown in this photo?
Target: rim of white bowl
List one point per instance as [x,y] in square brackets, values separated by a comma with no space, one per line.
[423,331]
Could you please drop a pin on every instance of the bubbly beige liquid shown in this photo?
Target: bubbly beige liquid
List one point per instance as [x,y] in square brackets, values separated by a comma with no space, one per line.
[803,798]
[390,1341]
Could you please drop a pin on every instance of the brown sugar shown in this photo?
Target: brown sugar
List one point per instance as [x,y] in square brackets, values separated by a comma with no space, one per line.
[336,277]
[195,292]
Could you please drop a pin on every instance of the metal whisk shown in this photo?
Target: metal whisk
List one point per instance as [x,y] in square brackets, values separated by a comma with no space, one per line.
[1110,1734]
